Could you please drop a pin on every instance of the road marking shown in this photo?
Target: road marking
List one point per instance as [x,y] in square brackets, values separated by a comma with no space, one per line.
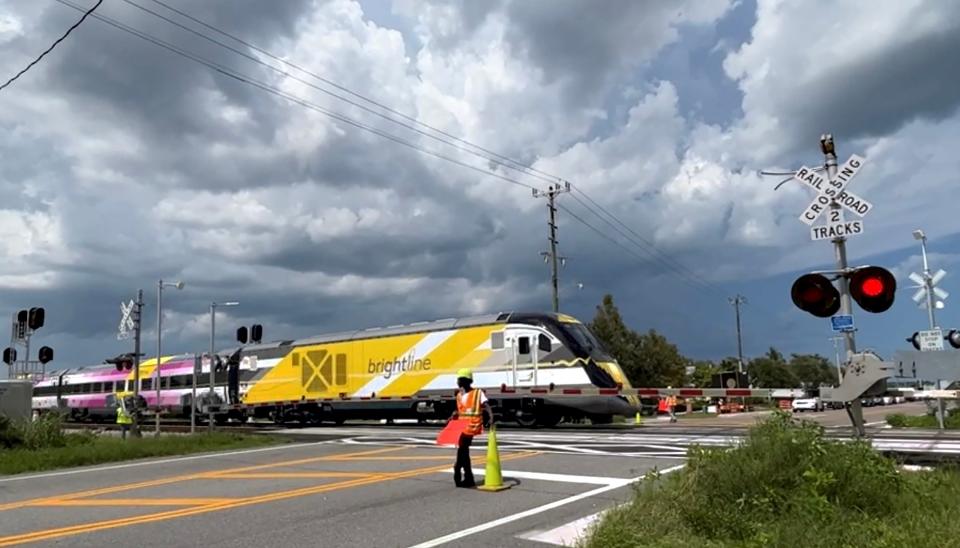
[236,503]
[567,478]
[531,512]
[431,457]
[162,461]
[135,502]
[565,535]
[186,477]
[293,475]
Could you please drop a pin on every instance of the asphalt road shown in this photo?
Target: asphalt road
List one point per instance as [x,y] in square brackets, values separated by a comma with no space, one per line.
[343,492]
[379,485]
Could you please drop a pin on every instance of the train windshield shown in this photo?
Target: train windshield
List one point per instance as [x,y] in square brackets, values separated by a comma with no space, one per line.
[588,342]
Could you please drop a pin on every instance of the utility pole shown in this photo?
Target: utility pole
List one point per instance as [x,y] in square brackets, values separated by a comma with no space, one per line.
[138,314]
[736,302]
[551,194]
[855,411]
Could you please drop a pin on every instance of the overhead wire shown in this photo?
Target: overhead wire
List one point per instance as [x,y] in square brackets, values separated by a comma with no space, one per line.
[49,49]
[498,159]
[328,92]
[349,91]
[680,310]
[488,155]
[230,73]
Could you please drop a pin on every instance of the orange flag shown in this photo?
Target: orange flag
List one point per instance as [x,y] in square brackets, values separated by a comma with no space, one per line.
[451,434]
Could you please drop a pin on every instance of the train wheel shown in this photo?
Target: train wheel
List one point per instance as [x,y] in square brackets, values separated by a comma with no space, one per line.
[527,419]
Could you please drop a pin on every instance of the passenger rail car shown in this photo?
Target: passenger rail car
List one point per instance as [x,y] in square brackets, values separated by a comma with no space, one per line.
[396,372]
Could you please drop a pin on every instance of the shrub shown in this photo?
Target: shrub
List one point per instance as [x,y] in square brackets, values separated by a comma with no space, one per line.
[10,435]
[787,484]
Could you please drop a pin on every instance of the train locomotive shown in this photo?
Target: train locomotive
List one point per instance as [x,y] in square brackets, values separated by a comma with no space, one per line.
[398,372]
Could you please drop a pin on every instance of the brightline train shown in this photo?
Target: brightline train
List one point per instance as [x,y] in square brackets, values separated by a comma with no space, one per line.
[399,372]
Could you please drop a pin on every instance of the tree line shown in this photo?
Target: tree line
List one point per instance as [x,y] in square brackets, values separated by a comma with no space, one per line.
[649,359]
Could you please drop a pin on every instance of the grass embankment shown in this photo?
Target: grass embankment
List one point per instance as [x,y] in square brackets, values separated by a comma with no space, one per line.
[787,485]
[899,420]
[43,445]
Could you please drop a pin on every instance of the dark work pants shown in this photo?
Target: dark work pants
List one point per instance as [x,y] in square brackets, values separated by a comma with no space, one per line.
[463,463]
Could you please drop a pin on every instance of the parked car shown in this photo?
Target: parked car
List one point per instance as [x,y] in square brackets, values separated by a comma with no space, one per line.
[806,404]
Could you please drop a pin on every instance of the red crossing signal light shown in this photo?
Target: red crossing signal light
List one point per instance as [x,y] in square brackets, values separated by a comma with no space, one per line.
[874,288]
[815,294]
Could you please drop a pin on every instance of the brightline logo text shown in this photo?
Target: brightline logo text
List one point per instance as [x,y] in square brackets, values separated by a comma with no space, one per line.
[388,367]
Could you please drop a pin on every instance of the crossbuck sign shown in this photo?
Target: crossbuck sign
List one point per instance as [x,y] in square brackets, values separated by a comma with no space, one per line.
[833,190]
[126,320]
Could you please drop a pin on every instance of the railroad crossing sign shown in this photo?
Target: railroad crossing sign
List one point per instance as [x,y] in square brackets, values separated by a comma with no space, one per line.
[842,323]
[931,340]
[920,297]
[833,190]
[126,320]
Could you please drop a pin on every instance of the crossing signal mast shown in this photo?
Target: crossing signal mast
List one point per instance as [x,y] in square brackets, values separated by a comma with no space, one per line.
[872,287]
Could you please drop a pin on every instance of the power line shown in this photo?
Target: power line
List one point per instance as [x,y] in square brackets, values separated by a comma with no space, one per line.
[655,251]
[489,155]
[522,169]
[230,73]
[656,254]
[42,55]
[552,178]
[680,310]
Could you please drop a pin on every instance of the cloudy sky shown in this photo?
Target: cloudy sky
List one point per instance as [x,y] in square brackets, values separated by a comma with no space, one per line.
[122,162]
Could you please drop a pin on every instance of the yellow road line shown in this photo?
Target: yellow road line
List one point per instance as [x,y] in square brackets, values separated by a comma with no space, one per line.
[186,477]
[296,475]
[270,497]
[135,502]
[431,457]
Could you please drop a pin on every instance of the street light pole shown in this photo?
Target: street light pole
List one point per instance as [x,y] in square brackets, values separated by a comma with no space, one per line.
[213,330]
[160,286]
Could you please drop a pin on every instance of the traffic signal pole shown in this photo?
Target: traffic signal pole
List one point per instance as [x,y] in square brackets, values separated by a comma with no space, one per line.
[854,410]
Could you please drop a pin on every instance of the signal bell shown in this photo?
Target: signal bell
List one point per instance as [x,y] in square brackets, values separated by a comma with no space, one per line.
[815,294]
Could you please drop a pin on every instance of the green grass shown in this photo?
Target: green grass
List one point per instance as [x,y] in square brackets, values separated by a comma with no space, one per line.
[43,445]
[787,485]
[899,420]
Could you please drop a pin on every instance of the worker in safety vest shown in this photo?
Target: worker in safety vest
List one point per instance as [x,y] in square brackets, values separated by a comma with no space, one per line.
[124,418]
[472,405]
[672,406]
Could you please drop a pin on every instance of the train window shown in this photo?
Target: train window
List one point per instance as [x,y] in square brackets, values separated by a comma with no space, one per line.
[524,345]
[86,388]
[496,340]
[97,387]
[147,384]
[543,343]
[108,387]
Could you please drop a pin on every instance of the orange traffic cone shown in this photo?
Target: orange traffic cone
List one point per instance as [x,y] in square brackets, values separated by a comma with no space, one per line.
[492,478]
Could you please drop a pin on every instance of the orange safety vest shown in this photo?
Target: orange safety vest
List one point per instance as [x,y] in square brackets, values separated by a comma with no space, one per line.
[472,412]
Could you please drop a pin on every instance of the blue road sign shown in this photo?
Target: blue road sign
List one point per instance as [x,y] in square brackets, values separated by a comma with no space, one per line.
[841,323]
